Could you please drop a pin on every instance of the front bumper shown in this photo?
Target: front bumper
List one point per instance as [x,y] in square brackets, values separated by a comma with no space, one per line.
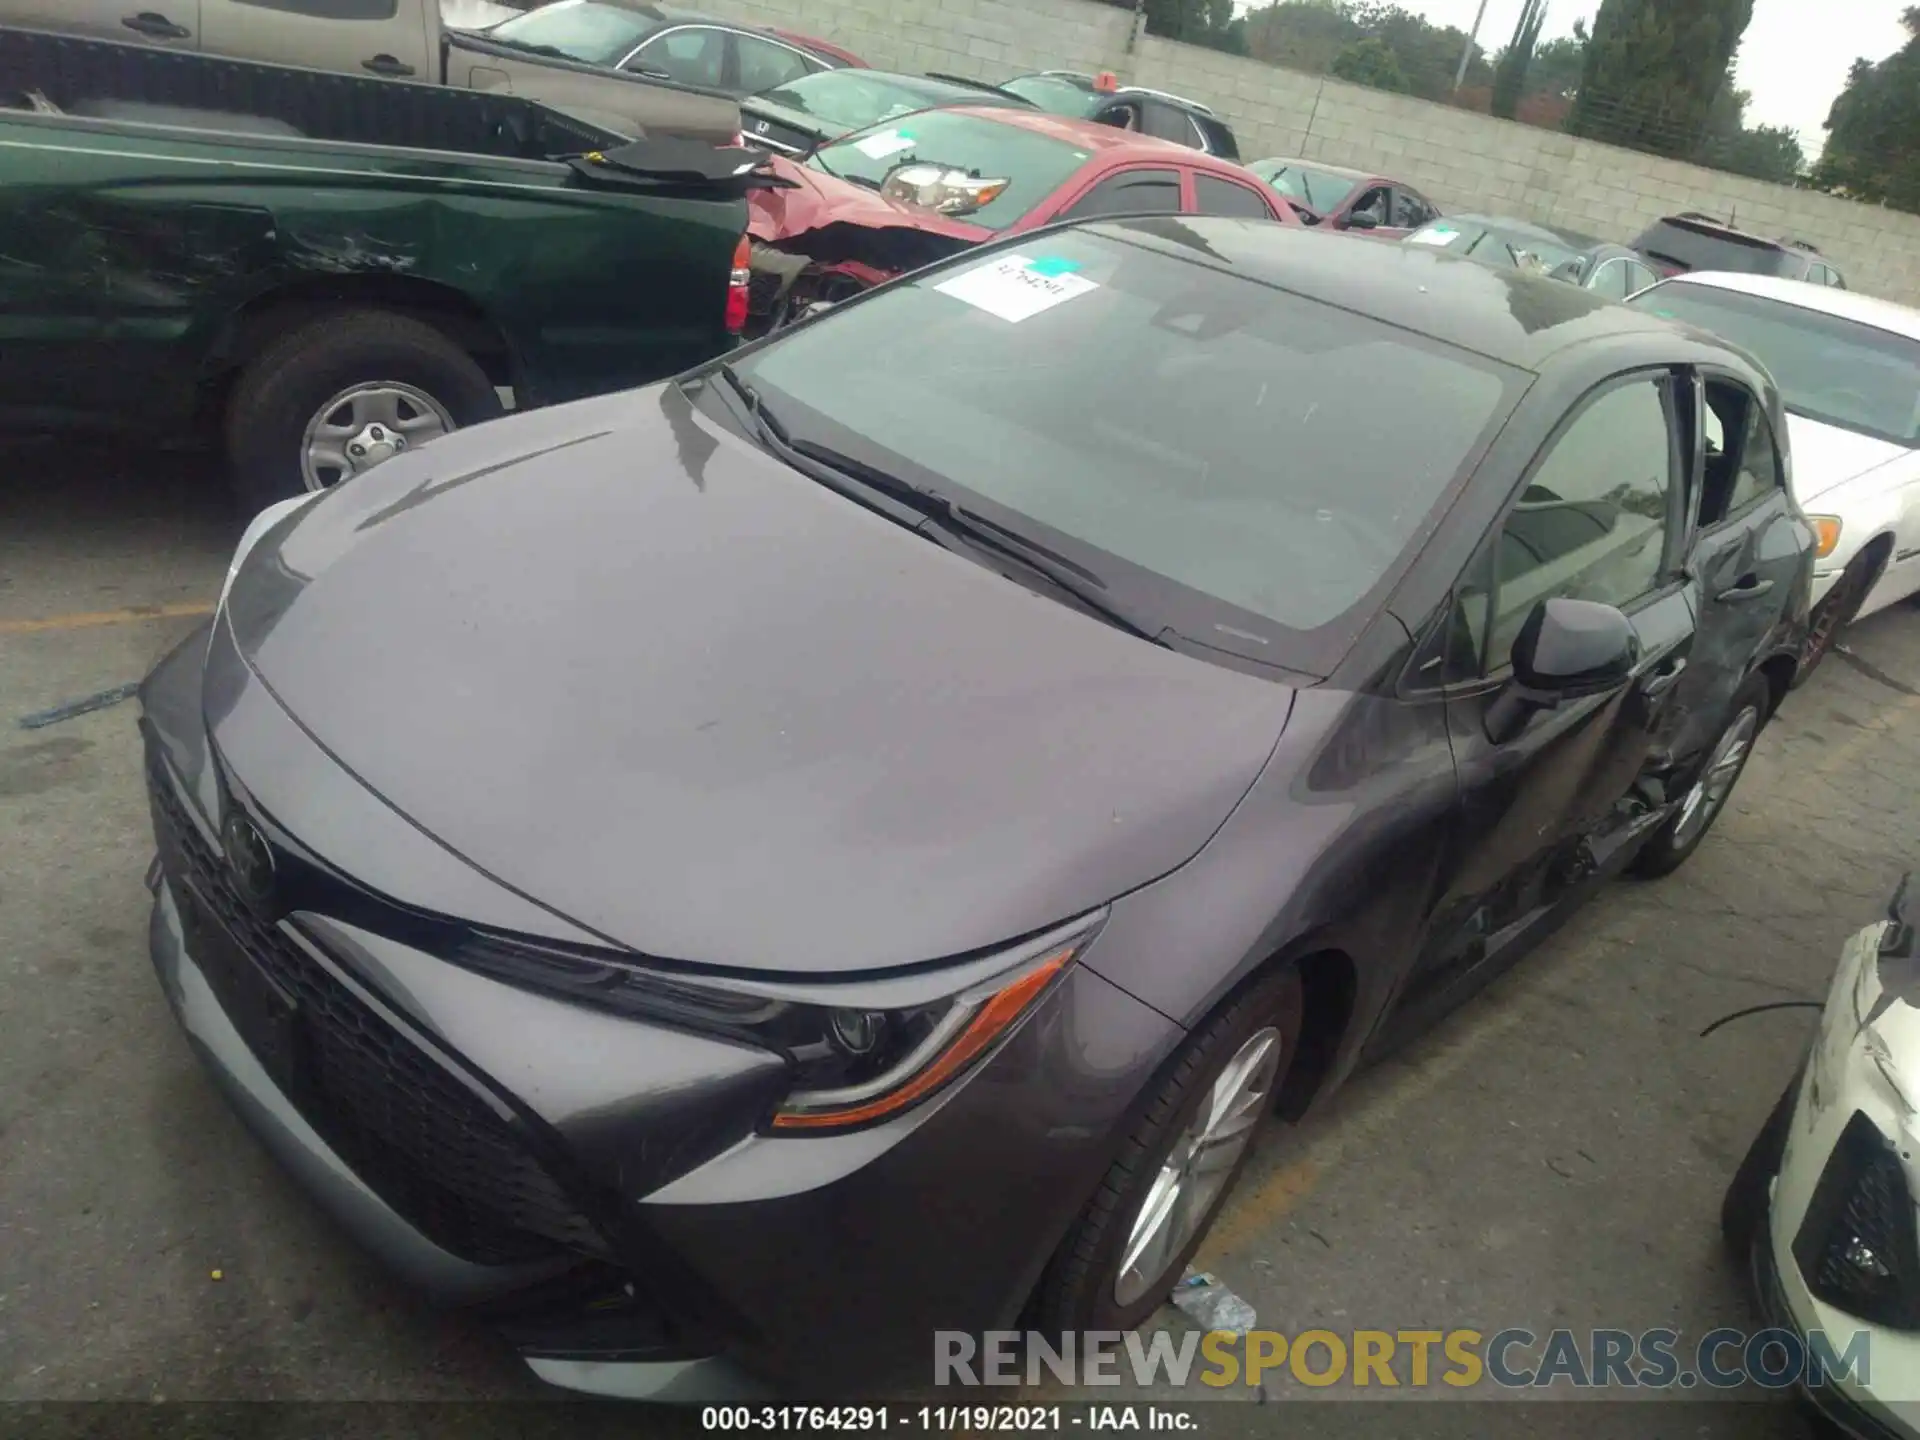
[1848,1074]
[562,1168]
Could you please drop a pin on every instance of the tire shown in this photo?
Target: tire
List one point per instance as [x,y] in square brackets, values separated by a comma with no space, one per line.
[1743,1210]
[284,388]
[1080,1288]
[1835,610]
[1668,848]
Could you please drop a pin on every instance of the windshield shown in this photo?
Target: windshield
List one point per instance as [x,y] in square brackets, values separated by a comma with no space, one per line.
[1828,369]
[1237,461]
[1315,189]
[854,99]
[1509,248]
[1055,95]
[1692,249]
[593,33]
[1034,165]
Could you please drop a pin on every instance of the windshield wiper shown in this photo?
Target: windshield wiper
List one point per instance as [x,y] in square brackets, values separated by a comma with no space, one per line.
[860,482]
[1065,574]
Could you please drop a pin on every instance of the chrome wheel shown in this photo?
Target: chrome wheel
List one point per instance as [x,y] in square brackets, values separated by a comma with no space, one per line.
[1196,1169]
[364,425]
[1710,791]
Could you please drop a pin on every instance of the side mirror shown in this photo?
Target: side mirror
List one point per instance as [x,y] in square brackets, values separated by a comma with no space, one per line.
[1567,649]
[1360,220]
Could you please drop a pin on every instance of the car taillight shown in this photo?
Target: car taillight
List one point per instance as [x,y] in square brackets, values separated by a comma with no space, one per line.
[737,284]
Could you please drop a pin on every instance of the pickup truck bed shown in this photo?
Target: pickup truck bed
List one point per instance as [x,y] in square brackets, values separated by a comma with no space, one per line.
[194,241]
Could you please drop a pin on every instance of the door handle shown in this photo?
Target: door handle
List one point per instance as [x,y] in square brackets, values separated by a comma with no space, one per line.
[149,22]
[1751,587]
[386,65]
[1663,679]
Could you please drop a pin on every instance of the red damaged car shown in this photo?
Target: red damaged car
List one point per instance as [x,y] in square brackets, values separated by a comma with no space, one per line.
[918,187]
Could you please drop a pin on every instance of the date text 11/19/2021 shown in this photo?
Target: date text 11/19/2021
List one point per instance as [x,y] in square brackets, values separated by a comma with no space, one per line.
[941,1419]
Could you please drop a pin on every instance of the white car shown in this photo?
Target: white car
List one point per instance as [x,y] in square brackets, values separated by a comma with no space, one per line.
[1848,368]
[1822,1208]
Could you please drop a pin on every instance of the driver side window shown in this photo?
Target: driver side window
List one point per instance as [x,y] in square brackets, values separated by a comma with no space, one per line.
[1373,203]
[1591,524]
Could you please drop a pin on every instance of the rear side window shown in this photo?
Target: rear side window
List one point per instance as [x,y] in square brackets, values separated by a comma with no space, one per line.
[1133,192]
[1735,476]
[1219,138]
[1223,197]
[1166,122]
[1694,248]
[332,9]
[764,64]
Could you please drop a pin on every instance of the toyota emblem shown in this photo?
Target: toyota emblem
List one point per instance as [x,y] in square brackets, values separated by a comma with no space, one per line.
[251,858]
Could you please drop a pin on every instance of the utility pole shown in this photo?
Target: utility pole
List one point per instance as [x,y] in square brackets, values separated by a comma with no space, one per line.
[1460,75]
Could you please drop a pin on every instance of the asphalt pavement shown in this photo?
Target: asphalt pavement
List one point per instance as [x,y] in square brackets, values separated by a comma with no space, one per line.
[1551,1155]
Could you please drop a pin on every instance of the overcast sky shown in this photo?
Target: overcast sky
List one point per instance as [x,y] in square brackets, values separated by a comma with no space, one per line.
[1794,58]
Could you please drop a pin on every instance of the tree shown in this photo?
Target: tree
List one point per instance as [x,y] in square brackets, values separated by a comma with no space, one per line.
[1510,70]
[1313,34]
[1198,22]
[1557,65]
[1873,129]
[1654,69]
[1371,62]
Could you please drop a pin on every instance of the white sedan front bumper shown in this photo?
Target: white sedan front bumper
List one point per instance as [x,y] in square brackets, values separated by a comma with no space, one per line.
[1853,1078]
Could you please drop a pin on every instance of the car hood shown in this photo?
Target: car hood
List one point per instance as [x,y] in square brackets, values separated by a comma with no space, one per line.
[816,200]
[629,665]
[1826,456]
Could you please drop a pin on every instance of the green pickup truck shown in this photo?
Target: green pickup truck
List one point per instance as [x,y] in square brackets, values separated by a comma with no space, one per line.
[323,269]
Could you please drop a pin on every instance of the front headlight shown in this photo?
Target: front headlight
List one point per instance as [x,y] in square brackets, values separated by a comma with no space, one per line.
[858,1053]
[941,189]
[1826,534]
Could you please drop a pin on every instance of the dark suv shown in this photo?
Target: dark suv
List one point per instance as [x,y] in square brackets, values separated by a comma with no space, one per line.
[1692,241]
[1129,107]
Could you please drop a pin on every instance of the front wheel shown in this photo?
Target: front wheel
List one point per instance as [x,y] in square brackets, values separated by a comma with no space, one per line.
[1834,613]
[343,393]
[1713,784]
[1131,1243]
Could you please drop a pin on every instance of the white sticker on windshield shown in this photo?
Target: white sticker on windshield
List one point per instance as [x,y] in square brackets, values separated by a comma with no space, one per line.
[1018,287]
[880,145]
[1438,235]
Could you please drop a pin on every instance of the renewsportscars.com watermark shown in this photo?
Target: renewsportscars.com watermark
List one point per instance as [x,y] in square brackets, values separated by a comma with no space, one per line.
[1410,1360]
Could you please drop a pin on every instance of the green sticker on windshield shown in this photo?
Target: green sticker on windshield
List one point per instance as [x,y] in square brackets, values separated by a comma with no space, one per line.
[1053,265]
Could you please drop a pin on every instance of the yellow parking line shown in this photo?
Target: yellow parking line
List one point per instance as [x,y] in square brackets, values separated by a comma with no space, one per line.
[88,619]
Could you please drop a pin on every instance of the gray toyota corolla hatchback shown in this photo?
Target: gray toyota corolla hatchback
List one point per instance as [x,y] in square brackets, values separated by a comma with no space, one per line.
[734,877]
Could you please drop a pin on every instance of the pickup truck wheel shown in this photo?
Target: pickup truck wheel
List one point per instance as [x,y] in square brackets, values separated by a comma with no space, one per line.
[337,396]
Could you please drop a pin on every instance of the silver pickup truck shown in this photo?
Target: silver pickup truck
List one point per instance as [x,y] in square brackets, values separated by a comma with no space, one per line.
[398,39]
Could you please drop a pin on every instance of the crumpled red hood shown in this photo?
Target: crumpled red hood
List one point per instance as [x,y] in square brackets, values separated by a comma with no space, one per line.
[817,200]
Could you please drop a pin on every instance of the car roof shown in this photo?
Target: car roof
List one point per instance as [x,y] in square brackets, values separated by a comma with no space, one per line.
[933,87]
[1344,171]
[1092,135]
[1086,82]
[1707,225]
[1845,304]
[1524,321]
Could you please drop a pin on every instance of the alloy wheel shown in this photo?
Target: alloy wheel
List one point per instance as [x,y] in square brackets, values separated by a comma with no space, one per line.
[1709,793]
[1198,1166]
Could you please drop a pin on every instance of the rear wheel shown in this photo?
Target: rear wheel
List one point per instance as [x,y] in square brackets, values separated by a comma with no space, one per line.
[343,393]
[1131,1244]
[1712,785]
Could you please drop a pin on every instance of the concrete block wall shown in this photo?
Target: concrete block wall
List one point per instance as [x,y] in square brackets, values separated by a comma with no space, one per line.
[1462,159]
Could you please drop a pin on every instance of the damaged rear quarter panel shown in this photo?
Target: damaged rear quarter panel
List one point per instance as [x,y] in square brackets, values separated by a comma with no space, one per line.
[126,258]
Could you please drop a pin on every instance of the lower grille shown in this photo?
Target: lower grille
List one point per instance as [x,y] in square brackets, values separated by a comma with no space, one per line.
[420,1139]
[1857,1248]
